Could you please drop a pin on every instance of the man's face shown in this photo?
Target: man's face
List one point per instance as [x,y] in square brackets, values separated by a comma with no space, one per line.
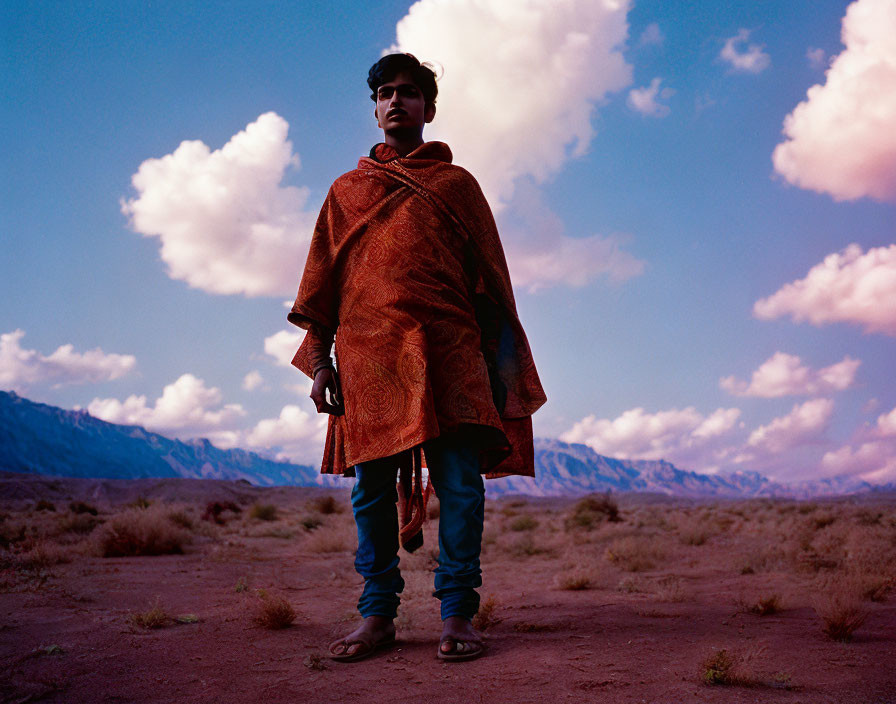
[400,106]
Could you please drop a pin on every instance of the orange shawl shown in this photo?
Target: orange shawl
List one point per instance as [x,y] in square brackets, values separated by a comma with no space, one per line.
[407,267]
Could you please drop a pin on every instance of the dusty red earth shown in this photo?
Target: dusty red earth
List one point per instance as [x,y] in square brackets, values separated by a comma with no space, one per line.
[665,588]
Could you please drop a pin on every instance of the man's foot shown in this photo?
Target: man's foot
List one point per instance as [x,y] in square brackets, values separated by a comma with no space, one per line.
[373,633]
[459,640]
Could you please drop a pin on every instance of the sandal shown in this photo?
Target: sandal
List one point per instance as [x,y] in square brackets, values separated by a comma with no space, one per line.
[463,650]
[367,649]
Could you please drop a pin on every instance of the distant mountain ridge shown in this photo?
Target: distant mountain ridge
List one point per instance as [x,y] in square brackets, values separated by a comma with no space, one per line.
[43,439]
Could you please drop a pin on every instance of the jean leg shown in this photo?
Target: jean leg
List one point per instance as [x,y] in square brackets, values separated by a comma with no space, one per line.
[454,470]
[373,504]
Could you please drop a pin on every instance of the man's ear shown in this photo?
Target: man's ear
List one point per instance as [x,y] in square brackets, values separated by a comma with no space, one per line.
[377,119]
[429,112]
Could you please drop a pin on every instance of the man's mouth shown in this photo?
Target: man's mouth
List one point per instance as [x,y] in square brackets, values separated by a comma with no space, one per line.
[395,112]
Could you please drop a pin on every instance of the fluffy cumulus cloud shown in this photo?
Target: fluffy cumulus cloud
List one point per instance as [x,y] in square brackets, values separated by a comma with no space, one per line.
[282,346]
[187,408]
[21,369]
[647,100]
[225,223]
[521,79]
[847,287]
[786,375]
[743,56]
[682,436]
[252,380]
[871,455]
[806,423]
[841,140]
[295,435]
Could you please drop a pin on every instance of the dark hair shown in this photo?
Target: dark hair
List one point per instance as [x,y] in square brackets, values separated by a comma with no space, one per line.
[388,67]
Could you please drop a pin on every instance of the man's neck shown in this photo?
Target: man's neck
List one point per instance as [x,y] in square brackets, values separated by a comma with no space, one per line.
[402,143]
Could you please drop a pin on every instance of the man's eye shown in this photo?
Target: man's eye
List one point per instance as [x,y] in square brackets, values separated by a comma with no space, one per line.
[408,92]
[383,94]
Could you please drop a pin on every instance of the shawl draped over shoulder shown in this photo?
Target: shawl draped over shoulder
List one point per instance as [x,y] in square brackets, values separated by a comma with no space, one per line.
[406,267]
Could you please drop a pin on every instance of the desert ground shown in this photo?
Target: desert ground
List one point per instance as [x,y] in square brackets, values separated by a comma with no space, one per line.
[122,591]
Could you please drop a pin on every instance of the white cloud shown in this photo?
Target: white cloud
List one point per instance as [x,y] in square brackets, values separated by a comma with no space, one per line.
[651,36]
[521,80]
[805,424]
[871,455]
[786,375]
[815,57]
[541,255]
[297,435]
[282,346]
[252,380]
[747,58]
[647,100]
[22,368]
[683,436]
[225,222]
[841,140]
[848,286]
[186,408]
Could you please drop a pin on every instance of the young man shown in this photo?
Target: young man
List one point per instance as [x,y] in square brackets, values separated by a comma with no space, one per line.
[407,272]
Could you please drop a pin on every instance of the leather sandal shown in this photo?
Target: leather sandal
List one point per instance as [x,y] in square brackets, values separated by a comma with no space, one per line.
[463,650]
[368,648]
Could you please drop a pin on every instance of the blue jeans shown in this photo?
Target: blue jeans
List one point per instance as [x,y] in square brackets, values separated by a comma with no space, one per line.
[453,466]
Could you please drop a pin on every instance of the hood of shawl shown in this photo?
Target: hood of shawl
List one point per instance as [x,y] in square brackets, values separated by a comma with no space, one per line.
[439,151]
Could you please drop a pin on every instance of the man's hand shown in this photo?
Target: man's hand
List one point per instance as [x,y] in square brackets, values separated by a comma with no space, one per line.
[327,380]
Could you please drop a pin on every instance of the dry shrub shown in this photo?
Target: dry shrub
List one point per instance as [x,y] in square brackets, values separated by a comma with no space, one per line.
[81,507]
[721,668]
[485,617]
[840,608]
[180,517]
[573,580]
[154,617]
[634,553]
[525,546]
[328,541]
[592,509]
[325,504]
[214,511]
[44,505]
[762,605]
[521,523]
[43,554]
[669,588]
[263,512]
[737,668]
[309,523]
[78,523]
[140,532]
[630,585]
[273,611]
[695,531]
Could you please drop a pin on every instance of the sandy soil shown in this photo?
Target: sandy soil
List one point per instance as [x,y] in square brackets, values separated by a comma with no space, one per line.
[666,588]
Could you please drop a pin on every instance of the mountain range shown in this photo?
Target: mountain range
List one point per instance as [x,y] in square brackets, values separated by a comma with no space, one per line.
[41,439]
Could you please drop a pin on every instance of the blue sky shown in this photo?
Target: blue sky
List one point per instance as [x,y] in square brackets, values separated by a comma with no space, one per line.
[656,245]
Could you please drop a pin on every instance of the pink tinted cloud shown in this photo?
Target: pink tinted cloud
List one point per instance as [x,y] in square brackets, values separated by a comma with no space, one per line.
[841,140]
[847,287]
[871,455]
[805,424]
[786,375]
